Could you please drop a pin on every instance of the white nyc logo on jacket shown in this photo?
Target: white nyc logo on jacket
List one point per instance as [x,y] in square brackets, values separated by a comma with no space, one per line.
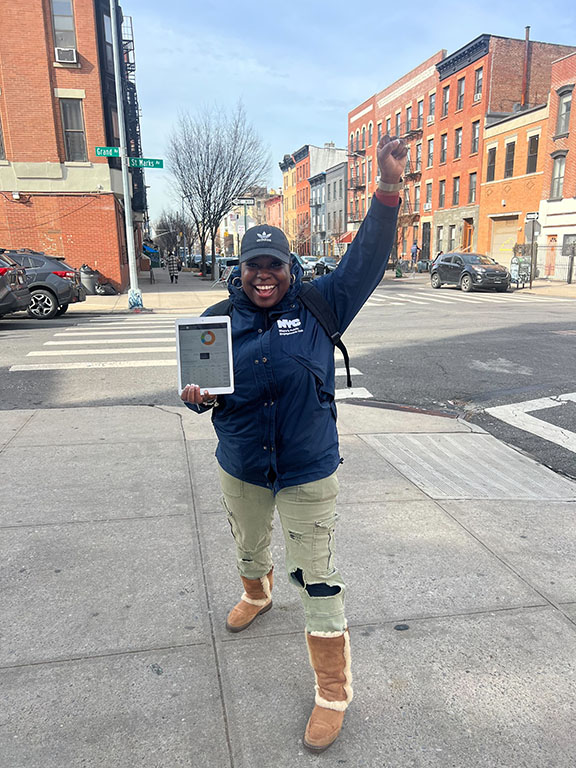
[288,327]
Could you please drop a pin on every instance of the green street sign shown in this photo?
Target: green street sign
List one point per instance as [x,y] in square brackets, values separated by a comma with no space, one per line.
[107,151]
[145,162]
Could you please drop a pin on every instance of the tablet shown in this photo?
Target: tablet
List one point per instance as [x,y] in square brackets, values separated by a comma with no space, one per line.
[204,351]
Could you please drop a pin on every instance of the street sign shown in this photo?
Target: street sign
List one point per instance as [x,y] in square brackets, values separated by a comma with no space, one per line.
[244,201]
[145,162]
[532,229]
[532,216]
[107,151]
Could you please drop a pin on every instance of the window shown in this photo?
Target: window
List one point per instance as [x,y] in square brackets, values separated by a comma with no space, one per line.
[491,169]
[439,237]
[445,100]
[398,123]
[532,160]
[460,93]
[429,192]
[388,126]
[369,170]
[443,147]
[478,76]
[2,150]
[370,135]
[379,131]
[420,119]
[408,119]
[456,191]
[558,177]
[340,190]
[475,137]
[418,165]
[351,142]
[416,199]
[109,50]
[472,188]
[457,143]
[63,24]
[430,159]
[406,198]
[357,140]
[328,192]
[564,104]
[441,194]
[432,105]
[452,237]
[328,220]
[509,161]
[404,242]
[363,137]
[73,125]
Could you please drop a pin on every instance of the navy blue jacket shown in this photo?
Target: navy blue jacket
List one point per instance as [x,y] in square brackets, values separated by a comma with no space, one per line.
[278,428]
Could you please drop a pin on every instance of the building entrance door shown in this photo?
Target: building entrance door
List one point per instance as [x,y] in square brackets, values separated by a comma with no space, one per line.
[467,234]
[426,240]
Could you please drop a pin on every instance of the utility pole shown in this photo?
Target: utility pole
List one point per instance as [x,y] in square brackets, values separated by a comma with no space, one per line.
[134,294]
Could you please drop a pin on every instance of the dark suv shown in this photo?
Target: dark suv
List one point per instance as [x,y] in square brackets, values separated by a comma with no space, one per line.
[53,283]
[469,271]
[14,291]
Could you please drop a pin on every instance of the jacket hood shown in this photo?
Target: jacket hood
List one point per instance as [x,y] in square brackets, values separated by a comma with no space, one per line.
[239,298]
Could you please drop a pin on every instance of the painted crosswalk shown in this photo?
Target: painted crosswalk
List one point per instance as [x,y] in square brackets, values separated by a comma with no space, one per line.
[395,298]
[108,343]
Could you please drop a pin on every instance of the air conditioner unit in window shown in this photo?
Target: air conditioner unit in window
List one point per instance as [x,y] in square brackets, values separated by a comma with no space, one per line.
[66,55]
[427,206]
[477,96]
[430,119]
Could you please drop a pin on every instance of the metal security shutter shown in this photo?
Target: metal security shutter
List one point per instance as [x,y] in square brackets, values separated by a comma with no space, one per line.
[504,237]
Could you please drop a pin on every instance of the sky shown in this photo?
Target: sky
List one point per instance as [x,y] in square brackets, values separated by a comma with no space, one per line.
[300,67]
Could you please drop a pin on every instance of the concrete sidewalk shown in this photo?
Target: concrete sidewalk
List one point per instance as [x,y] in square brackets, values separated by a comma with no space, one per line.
[118,571]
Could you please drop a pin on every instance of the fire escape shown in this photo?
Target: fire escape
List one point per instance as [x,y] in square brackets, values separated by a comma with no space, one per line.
[132,115]
[411,131]
[356,181]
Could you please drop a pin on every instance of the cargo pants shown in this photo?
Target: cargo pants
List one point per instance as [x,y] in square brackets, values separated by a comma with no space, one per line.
[307,513]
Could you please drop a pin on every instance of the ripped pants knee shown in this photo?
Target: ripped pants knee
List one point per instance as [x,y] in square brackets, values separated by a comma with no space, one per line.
[322,599]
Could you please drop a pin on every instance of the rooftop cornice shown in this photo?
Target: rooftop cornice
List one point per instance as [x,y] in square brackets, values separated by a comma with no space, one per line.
[469,53]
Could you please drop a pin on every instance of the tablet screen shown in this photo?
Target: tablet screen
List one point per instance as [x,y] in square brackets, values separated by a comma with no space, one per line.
[204,355]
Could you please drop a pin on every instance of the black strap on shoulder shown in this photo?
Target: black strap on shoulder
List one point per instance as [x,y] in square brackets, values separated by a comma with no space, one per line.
[323,312]
[223,307]
[317,305]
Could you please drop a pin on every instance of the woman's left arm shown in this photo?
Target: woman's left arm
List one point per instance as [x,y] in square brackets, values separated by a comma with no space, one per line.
[363,266]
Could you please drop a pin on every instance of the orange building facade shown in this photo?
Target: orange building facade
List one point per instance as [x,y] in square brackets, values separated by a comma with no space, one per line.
[512,180]
[56,107]
[274,210]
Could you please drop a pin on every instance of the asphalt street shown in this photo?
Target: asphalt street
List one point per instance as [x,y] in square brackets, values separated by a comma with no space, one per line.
[411,345]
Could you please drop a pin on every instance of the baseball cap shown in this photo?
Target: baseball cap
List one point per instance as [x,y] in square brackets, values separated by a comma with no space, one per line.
[264,240]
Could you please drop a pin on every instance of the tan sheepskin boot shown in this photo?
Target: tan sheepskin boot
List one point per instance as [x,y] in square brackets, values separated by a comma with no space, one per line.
[256,600]
[330,659]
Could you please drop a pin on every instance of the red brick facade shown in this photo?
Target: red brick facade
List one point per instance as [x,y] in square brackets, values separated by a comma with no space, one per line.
[71,209]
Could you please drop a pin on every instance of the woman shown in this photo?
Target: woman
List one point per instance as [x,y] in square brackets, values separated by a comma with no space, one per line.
[278,442]
[173,262]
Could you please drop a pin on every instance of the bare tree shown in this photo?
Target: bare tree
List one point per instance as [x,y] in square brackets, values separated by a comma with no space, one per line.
[170,228]
[215,157]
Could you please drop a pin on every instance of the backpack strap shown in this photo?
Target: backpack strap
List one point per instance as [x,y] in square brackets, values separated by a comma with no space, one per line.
[315,303]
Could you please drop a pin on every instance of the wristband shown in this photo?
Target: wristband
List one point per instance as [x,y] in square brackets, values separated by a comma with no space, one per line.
[383,187]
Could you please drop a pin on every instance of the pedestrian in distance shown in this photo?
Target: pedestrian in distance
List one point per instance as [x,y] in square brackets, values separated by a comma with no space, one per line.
[172,262]
[278,440]
[414,251]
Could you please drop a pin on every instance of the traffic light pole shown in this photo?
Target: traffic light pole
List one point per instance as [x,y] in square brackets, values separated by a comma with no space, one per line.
[134,294]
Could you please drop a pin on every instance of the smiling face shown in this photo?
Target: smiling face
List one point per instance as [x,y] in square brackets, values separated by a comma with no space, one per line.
[265,280]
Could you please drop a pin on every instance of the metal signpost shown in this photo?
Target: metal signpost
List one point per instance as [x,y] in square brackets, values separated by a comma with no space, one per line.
[532,230]
[245,201]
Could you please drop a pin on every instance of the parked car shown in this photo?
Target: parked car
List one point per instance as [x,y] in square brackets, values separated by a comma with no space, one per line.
[14,291]
[469,271]
[306,263]
[53,283]
[325,264]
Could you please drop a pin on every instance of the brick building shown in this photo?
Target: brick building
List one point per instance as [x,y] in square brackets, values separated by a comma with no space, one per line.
[441,109]
[57,103]
[274,210]
[511,186]
[557,241]
[297,169]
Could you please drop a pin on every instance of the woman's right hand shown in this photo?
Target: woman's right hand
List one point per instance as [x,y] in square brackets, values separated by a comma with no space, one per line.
[192,394]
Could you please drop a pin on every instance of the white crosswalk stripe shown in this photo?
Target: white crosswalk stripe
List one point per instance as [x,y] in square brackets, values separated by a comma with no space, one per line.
[114,338]
[421,296]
